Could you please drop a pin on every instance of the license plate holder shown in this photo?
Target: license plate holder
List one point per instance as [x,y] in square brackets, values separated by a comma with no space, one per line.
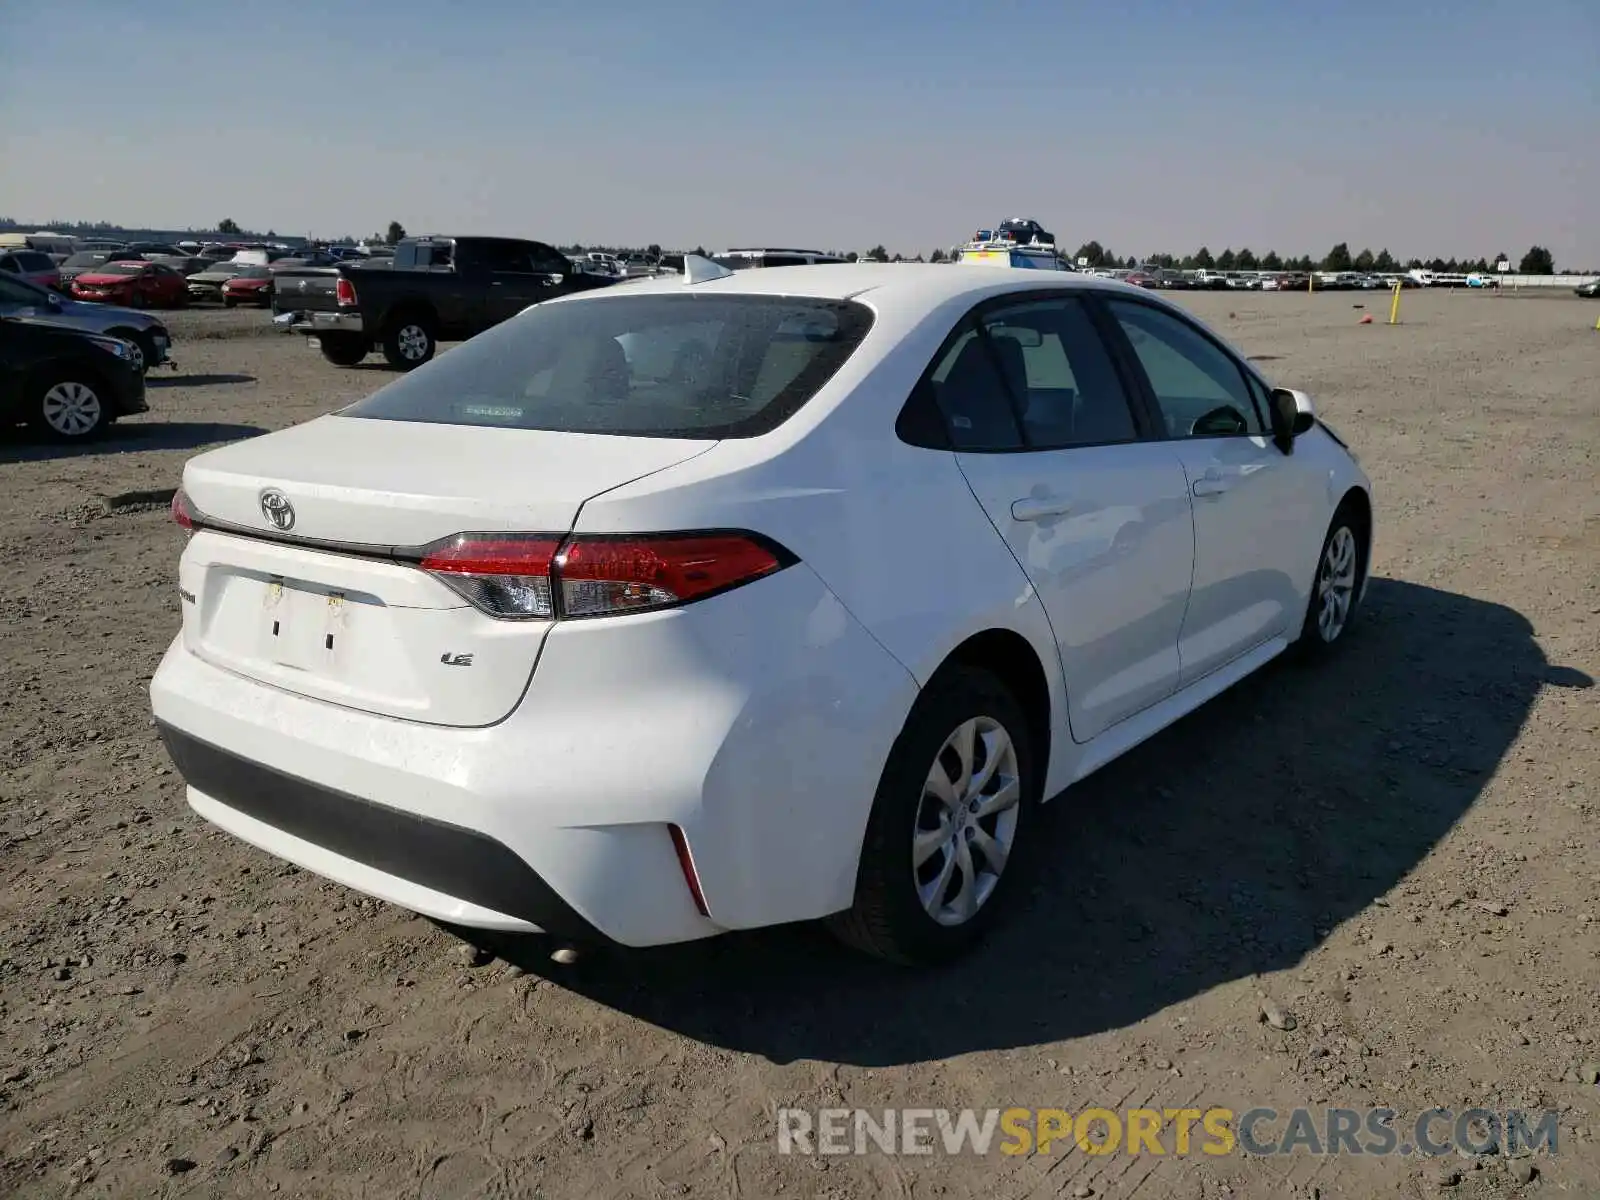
[302,626]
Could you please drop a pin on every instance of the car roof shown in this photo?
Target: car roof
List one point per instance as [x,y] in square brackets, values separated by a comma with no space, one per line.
[890,285]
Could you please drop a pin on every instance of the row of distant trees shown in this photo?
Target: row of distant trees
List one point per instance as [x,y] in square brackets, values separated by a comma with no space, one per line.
[1537,261]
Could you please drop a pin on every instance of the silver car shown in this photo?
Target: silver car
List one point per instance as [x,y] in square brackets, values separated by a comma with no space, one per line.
[151,342]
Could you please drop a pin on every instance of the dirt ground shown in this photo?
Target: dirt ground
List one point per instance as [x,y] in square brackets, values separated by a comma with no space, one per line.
[1398,849]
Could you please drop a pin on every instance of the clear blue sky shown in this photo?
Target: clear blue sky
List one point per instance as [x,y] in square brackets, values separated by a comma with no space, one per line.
[1450,128]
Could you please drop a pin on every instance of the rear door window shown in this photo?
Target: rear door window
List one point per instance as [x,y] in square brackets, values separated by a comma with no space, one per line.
[1060,374]
[714,366]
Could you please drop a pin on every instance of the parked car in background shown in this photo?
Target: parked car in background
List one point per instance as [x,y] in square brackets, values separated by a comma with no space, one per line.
[146,332]
[251,284]
[1588,290]
[743,258]
[186,265]
[91,260]
[56,245]
[65,385]
[134,283]
[437,288]
[207,284]
[163,249]
[33,265]
[1212,281]
[572,629]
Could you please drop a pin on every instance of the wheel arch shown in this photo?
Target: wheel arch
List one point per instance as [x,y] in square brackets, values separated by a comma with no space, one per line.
[1358,504]
[42,373]
[410,308]
[1011,658]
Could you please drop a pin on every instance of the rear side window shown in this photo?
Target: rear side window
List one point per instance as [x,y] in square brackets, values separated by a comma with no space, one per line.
[708,366]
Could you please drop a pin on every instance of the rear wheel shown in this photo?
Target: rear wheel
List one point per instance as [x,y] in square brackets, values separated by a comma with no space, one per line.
[410,341]
[342,349]
[69,407]
[944,844]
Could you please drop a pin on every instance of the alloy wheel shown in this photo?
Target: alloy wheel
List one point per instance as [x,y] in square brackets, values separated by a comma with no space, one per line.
[413,341]
[72,409]
[1336,584]
[967,821]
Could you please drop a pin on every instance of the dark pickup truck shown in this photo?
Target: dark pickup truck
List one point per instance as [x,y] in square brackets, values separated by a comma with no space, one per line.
[437,289]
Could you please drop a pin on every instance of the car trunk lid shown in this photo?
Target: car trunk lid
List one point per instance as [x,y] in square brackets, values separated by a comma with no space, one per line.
[302,573]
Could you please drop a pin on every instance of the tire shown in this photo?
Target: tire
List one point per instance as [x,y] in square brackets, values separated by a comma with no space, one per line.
[892,917]
[229,302]
[144,347]
[343,349]
[69,406]
[1336,587]
[410,341]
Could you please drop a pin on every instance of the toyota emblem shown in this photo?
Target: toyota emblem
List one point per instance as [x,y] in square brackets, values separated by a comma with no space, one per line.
[275,507]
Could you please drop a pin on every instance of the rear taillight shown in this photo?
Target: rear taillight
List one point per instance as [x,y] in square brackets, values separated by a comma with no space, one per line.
[182,511]
[521,576]
[506,575]
[344,293]
[600,576]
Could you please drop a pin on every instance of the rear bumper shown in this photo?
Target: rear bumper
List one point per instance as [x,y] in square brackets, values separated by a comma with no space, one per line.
[432,861]
[312,324]
[757,722]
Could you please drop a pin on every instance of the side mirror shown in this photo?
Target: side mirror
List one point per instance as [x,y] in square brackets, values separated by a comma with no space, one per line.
[1292,415]
[554,279]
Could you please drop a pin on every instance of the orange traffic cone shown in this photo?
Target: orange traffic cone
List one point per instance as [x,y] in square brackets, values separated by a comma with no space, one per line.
[1366,320]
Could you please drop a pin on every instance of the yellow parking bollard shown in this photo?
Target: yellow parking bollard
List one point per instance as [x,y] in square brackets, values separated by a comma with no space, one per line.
[1394,307]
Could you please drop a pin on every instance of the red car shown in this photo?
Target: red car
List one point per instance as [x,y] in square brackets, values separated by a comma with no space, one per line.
[133,284]
[253,285]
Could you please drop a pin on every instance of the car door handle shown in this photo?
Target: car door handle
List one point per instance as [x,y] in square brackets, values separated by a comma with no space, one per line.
[1210,485]
[1035,508]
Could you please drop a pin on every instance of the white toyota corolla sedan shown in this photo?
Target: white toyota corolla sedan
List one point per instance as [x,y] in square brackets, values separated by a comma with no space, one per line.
[724,600]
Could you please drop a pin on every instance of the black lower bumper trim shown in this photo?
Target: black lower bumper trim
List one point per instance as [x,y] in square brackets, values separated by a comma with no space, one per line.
[448,858]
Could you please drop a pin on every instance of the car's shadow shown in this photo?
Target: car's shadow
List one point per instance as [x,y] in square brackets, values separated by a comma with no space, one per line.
[183,381]
[1227,846]
[21,446]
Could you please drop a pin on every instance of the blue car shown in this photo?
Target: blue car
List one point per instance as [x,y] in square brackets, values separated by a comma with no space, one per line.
[151,342]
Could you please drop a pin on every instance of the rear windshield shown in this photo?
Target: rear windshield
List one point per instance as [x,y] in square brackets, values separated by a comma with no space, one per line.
[706,366]
[89,258]
[124,268]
